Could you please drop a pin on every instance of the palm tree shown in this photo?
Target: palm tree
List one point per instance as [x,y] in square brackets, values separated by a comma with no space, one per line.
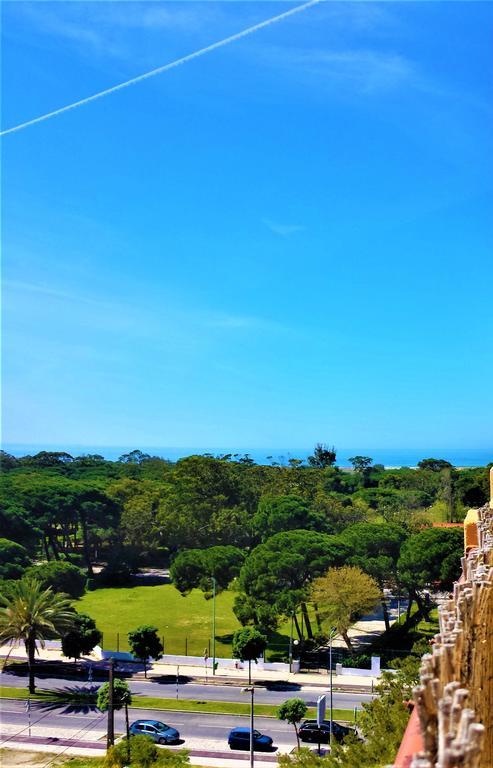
[32,614]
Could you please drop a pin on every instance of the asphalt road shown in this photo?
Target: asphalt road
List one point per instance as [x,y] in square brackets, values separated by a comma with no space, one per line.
[201,692]
[88,724]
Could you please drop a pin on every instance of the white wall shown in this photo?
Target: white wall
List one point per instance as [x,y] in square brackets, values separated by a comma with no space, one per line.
[198,661]
[373,672]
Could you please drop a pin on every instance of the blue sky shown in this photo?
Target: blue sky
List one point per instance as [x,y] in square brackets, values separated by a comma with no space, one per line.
[284,241]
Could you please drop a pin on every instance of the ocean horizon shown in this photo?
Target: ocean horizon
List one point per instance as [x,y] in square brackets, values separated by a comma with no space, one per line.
[389,457]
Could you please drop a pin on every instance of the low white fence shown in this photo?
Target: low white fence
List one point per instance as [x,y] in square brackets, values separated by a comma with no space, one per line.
[199,661]
[373,672]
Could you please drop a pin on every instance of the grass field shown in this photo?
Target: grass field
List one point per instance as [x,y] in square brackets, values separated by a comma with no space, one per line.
[184,623]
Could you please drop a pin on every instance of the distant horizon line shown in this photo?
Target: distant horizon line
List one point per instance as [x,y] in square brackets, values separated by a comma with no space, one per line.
[139,446]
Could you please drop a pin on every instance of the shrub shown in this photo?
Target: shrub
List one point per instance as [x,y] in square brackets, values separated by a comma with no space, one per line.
[60,576]
[14,559]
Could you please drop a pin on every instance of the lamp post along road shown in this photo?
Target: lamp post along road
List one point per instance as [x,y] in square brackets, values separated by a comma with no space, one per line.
[111,712]
[333,634]
[291,645]
[250,689]
[213,625]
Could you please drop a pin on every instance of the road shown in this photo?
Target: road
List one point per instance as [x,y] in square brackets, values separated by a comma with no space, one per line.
[201,692]
[87,724]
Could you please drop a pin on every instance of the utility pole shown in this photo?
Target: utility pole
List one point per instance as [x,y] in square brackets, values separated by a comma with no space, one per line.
[111,712]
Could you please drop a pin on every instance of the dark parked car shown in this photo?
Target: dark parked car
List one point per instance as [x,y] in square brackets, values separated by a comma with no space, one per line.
[239,738]
[159,732]
[309,731]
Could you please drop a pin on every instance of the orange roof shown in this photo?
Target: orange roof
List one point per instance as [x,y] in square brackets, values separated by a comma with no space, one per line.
[447,525]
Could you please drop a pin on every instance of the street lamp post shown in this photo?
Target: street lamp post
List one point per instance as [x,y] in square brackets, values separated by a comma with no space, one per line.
[291,644]
[291,651]
[332,634]
[110,738]
[213,625]
[250,689]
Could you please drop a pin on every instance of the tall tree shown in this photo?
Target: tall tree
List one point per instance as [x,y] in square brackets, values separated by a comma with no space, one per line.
[205,504]
[276,575]
[430,556]
[144,644]
[139,501]
[435,465]
[134,457]
[82,638]
[248,645]
[322,456]
[293,711]
[342,595]
[375,548]
[361,463]
[122,697]
[32,615]
[195,568]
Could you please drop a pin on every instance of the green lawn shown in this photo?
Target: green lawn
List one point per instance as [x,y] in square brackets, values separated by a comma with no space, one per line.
[185,623]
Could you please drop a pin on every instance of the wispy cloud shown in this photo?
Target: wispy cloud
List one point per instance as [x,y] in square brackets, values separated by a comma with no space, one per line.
[139,318]
[106,29]
[242,322]
[361,70]
[283,230]
[56,293]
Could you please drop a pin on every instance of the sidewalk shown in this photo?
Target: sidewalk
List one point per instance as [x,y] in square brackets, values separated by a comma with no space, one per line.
[229,676]
[72,747]
[58,741]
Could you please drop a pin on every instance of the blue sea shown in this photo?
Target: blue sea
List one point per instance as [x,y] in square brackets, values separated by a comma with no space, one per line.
[390,457]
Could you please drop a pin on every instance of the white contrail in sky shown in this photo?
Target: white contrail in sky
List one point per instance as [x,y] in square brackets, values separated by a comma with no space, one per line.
[164,68]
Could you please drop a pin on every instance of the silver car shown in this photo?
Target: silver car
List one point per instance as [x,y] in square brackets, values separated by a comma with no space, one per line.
[159,732]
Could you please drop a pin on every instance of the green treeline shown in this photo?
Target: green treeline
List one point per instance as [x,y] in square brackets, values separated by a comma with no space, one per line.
[273,529]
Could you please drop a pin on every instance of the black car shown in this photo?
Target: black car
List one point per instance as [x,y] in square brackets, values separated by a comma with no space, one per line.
[239,738]
[310,731]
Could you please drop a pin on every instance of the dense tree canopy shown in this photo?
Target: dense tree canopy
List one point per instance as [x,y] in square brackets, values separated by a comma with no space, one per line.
[374,548]
[276,575]
[282,524]
[14,559]
[435,465]
[431,556]
[61,576]
[284,513]
[194,568]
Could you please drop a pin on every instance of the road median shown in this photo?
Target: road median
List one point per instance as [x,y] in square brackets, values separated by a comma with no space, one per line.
[157,703]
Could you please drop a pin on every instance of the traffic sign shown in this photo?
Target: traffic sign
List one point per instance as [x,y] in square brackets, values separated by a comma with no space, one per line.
[320,710]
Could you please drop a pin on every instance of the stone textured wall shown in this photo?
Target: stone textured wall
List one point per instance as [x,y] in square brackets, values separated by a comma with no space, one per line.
[455,696]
